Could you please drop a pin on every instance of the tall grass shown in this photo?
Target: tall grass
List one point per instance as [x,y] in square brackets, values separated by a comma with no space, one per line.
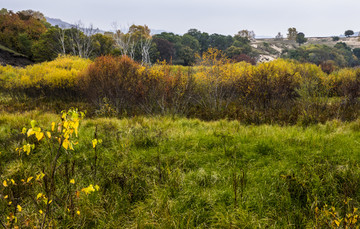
[168,172]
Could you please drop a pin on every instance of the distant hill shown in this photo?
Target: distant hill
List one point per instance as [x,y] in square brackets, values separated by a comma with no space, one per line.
[59,22]
[157,31]
[66,25]
[270,48]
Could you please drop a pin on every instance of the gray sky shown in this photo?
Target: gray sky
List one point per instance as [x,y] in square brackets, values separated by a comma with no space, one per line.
[264,17]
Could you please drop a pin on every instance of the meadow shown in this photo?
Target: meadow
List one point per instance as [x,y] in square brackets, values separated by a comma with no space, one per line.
[112,144]
[170,172]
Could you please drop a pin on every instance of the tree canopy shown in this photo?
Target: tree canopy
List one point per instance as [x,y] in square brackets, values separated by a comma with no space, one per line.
[292,33]
[349,33]
[300,38]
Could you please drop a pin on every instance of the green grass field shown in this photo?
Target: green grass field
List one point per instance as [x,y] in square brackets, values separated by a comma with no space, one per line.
[166,172]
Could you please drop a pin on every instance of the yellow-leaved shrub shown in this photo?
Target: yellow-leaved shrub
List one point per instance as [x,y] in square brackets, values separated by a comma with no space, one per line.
[214,88]
[54,78]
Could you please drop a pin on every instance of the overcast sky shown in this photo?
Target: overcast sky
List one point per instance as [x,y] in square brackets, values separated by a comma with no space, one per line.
[264,17]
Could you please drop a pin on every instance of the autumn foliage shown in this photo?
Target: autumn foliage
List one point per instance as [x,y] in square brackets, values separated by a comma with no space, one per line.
[18,31]
[55,79]
[281,91]
[115,78]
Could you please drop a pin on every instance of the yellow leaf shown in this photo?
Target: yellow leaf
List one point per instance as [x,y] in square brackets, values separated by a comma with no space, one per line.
[66,143]
[29,179]
[76,127]
[40,176]
[78,212]
[97,187]
[66,124]
[88,189]
[66,134]
[10,203]
[27,149]
[52,126]
[12,181]
[33,123]
[72,181]
[94,142]
[48,134]
[337,222]
[5,183]
[39,196]
[23,130]
[39,135]
[5,197]
[30,132]
[19,208]
[41,212]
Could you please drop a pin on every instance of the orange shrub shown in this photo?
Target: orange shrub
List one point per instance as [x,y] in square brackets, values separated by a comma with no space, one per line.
[115,78]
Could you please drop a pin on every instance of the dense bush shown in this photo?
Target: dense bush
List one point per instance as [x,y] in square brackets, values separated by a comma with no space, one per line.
[55,79]
[115,78]
[341,54]
[345,83]
[281,91]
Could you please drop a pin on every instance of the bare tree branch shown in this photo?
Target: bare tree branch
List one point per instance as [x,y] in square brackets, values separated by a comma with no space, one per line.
[81,39]
[145,46]
[125,43]
[61,40]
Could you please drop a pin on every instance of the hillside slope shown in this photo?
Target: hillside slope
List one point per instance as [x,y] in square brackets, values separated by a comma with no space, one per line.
[270,48]
[9,57]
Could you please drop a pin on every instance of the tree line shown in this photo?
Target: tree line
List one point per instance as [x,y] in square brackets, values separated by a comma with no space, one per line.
[28,33]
